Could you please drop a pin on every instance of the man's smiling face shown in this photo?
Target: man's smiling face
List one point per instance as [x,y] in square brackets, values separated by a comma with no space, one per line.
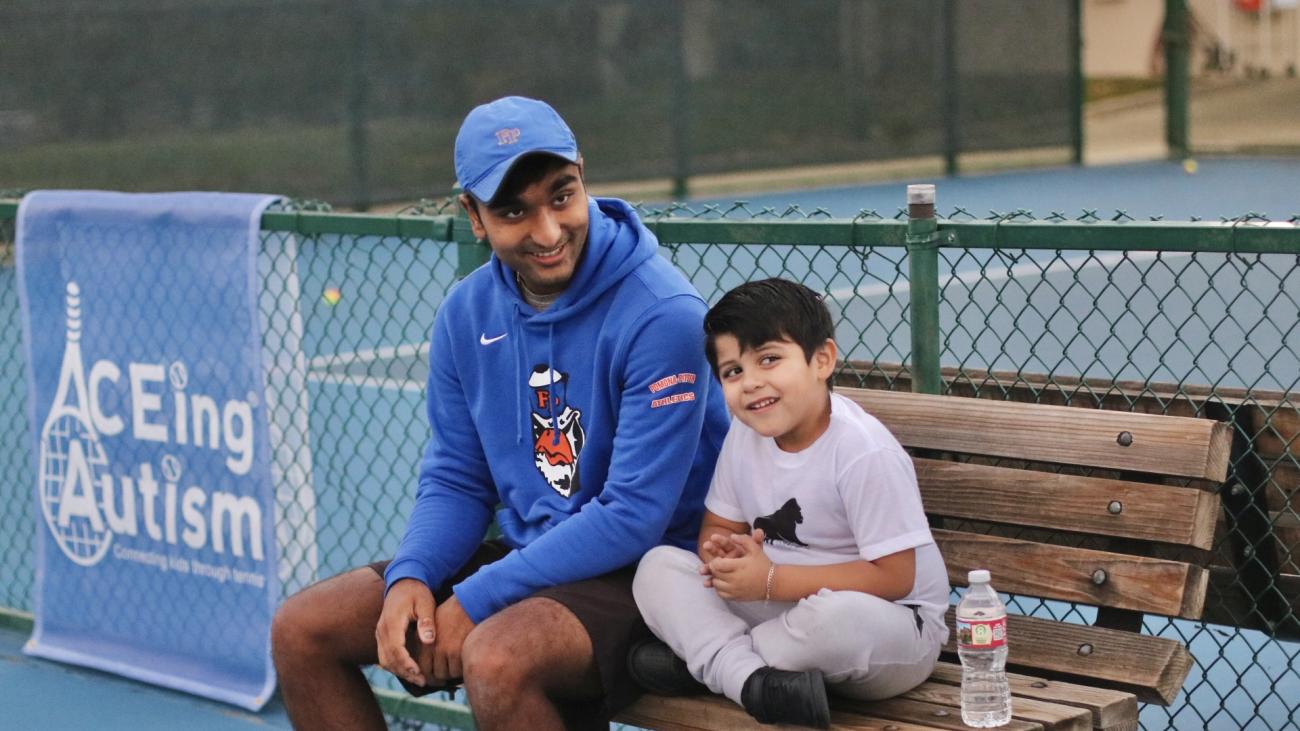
[540,231]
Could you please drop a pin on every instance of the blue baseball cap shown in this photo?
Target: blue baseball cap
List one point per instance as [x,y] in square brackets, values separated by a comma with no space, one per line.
[494,136]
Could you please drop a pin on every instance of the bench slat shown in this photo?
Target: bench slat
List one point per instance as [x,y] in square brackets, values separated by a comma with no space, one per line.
[1109,708]
[1153,668]
[1177,515]
[715,713]
[1037,703]
[939,714]
[1171,588]
[1168,445]
[1052,716]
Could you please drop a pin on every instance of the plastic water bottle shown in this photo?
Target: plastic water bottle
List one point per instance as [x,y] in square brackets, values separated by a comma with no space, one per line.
[982,646]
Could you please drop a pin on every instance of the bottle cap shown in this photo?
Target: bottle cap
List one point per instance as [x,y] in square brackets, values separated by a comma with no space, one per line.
[920,193]
[978,576]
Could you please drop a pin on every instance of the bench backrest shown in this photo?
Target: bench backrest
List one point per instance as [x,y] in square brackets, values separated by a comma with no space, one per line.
[1071,504]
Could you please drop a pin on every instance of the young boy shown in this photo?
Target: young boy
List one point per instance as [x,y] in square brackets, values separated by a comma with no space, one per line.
[817,563]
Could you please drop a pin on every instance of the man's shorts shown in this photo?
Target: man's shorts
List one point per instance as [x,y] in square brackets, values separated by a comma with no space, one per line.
[605,607]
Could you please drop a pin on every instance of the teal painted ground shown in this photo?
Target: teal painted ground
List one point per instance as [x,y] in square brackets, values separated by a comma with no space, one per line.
[38,695]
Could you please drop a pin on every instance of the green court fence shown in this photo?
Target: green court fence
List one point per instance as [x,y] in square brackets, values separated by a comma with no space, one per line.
[1187,317]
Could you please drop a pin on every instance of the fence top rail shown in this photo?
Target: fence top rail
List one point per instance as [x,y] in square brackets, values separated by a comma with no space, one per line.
[1242,236]
[438,228]
[1246,235]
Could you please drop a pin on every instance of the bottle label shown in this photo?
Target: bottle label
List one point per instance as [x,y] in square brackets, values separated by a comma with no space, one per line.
[982,634]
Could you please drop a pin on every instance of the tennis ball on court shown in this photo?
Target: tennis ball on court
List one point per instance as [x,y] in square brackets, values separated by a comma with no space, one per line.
[332,296]
[1189,166]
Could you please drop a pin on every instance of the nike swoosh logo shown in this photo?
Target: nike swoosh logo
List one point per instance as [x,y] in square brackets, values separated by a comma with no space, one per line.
[485,340]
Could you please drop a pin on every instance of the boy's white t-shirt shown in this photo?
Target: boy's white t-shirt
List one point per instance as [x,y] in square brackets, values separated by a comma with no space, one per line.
[851,494]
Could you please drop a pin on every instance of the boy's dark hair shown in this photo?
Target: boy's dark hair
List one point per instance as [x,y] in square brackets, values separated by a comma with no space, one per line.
[767,310]
[527,170]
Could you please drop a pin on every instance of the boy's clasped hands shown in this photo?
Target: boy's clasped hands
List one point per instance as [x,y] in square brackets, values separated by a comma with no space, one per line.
[736,566]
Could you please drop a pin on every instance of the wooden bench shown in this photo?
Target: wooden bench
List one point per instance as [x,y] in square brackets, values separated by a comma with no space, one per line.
[1101,508]
[1255,566]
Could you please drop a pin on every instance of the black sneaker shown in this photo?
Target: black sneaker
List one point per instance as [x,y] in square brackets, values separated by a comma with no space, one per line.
[654,667]
[786,696]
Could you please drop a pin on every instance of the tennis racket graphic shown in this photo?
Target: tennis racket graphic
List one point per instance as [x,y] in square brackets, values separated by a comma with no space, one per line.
[73,466]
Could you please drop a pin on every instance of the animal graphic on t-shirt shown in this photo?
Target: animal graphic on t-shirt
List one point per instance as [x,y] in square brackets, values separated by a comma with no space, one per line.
[779,526]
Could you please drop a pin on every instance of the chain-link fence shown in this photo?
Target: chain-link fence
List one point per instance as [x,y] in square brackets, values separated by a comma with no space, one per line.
[358,101]
[1192,318]
[17,520]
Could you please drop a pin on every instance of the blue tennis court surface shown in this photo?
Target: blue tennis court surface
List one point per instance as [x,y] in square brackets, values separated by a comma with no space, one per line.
[1220,188]
[38,695]
[366,357]
[1014,310]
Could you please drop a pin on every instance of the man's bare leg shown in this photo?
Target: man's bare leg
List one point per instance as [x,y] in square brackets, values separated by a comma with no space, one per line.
[520,659]
[320,639]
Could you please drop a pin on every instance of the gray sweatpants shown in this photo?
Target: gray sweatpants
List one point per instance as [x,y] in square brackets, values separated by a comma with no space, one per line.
[866,647]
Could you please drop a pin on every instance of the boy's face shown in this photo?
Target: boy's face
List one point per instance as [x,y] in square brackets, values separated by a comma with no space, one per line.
[775,391]
[539,233]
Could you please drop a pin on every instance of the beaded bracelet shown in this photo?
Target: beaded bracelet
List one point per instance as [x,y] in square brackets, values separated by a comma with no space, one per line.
[771,574]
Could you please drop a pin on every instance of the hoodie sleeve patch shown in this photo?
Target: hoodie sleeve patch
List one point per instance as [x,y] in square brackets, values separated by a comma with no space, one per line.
[676,398]
[673,380]
[668,382]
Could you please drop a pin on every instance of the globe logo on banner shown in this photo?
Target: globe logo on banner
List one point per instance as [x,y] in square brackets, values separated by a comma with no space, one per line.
[74,475]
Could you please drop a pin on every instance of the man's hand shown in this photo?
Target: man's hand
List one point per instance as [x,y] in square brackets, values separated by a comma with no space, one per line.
[409,601]
[453,626]
[744,577]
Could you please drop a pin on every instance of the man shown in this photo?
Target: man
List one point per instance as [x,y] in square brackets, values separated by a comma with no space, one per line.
[568,385]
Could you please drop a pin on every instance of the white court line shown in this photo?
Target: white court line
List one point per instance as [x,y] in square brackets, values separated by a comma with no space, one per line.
[393,384]
[974,276]
[405,350]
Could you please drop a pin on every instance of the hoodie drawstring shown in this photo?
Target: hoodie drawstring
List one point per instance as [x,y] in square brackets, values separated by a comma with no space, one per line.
[516,337]
[550,367]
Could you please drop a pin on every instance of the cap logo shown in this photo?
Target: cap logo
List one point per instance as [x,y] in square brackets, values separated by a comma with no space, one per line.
[507,136]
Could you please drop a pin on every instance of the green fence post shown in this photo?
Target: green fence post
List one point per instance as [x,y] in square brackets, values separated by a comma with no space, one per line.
[680,107]
[1077,91]
[358,102]
[950,89]
[470,252]
[1176,77]
[923,276]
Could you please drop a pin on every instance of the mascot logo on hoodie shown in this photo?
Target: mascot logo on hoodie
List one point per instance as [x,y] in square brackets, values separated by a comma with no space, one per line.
[557,430]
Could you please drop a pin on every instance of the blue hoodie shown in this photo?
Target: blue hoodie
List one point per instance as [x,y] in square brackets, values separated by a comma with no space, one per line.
[595,423]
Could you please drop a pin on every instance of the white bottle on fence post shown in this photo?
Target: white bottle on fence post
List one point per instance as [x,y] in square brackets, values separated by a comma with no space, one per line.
[982,646]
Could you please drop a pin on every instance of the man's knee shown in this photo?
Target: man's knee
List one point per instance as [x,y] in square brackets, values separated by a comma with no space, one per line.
[537,643]
[292,628]
[332,619]
[490,660]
